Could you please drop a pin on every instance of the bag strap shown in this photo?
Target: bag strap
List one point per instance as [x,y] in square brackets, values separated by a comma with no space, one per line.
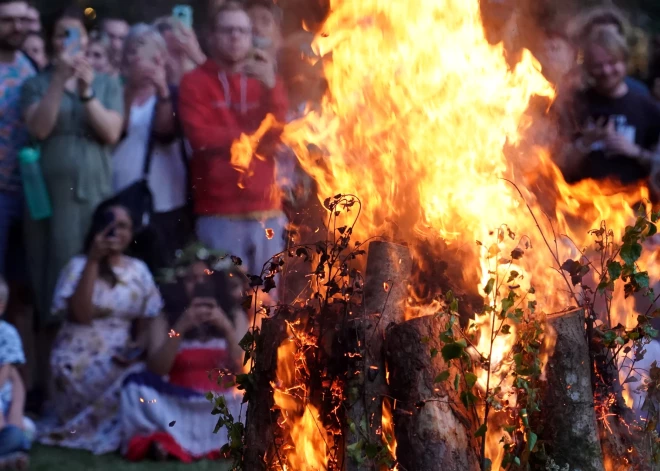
[151,143]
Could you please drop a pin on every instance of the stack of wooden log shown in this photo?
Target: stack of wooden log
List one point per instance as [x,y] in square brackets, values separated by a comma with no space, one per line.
[391,357]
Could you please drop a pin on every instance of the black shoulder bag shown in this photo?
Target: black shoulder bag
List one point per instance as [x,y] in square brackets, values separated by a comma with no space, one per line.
[137,197]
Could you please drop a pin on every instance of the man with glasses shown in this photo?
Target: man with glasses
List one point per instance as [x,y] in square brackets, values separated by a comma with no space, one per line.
[238,211]
[15,68]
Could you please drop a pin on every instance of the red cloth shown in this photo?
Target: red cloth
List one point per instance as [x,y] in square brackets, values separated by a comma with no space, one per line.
[215,108]
[197,369]
[138,448]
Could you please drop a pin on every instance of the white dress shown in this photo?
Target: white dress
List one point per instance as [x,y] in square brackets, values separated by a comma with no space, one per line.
[87,381]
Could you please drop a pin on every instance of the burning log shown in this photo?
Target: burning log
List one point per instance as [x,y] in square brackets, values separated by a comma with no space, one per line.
[571,427]
[260,420]
[388,268]
[432,427]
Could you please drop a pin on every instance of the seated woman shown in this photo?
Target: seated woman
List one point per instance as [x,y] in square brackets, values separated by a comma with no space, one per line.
[195,341]
[103,293]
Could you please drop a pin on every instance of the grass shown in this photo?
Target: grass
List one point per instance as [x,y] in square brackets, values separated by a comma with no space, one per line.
[60,459]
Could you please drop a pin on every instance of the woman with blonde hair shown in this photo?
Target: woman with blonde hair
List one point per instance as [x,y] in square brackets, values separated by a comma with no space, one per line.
[609,131]
[152,147]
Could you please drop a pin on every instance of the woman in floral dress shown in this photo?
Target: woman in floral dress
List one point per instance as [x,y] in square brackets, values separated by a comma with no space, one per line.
[102,294]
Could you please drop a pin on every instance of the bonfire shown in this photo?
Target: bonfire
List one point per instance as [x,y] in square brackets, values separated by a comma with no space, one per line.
[466,309]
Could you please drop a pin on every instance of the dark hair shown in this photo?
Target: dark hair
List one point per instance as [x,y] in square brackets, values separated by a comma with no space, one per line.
[72,12]
[98,225]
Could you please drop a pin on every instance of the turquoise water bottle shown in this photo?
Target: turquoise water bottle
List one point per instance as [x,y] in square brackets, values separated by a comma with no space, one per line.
[36,194]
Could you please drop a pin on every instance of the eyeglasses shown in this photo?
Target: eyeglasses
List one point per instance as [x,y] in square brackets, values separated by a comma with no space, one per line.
[16,20]
[229,30]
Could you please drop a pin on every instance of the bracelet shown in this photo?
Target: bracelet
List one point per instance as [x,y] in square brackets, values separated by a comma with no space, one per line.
[90,97]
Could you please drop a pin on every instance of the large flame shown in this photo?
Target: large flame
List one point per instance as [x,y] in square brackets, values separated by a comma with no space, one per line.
[429,126]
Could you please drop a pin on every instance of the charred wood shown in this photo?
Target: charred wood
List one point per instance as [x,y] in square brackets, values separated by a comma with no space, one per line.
[432,426]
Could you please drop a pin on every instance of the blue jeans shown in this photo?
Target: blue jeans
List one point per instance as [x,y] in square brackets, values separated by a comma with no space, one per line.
[244,238]
[12,259]
[12,440]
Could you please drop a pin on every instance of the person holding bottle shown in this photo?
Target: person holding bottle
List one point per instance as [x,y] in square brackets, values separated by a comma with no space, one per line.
[75,115]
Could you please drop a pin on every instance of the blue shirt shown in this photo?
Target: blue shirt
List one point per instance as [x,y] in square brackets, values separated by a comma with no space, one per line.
[13,133]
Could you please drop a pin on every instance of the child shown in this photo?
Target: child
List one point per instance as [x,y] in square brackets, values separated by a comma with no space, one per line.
[16,431]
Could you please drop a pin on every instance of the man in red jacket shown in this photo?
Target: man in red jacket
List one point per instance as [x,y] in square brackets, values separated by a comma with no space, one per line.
[227,96]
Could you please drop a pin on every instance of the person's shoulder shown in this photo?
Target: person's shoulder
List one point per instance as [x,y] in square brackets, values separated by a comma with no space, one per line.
[27,65]
[8,331]
[637,86]
[646,104]
[199,74]
[107,80]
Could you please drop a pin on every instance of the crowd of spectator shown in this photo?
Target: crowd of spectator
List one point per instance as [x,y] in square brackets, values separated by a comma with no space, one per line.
[133,126]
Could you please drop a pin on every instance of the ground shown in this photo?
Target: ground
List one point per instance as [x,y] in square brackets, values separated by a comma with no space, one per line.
[59,459]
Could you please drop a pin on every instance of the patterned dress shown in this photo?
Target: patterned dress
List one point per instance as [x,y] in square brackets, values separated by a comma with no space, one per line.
[87,381]
[77,170]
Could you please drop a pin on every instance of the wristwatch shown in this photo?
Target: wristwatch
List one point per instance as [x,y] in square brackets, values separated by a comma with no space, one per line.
[89,97]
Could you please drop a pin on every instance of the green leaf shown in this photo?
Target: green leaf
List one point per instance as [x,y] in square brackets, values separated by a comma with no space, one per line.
[609,337]
[506,329]
[467,398]
[434,352]
[481,432]
[531,440]
[630,252]
[457,380]
[444,376]
[470,379]
[642,279]
[489,286]
[614,269]
[452,351]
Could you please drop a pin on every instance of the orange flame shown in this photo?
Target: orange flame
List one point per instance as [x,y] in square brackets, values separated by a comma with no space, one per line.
[427,124]
[298,415]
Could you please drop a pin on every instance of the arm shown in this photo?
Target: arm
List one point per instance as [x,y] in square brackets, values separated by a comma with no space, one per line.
[234,336]
[41,117]
[107,124]
[164,121]
[18,393]
[162,348]
[200,122]
[81,307]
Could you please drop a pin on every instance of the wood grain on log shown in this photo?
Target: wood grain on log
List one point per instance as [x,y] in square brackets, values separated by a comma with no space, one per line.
[260,417]
[568,407]
[388,269]
[431,425]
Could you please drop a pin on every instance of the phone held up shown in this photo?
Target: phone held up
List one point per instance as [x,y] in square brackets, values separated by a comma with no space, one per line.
[72,41]
[184,14]
[108,219]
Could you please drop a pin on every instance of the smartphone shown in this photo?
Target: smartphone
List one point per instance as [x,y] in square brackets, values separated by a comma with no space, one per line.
[109,218]
[184,14]
[72,41]
[204,290]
